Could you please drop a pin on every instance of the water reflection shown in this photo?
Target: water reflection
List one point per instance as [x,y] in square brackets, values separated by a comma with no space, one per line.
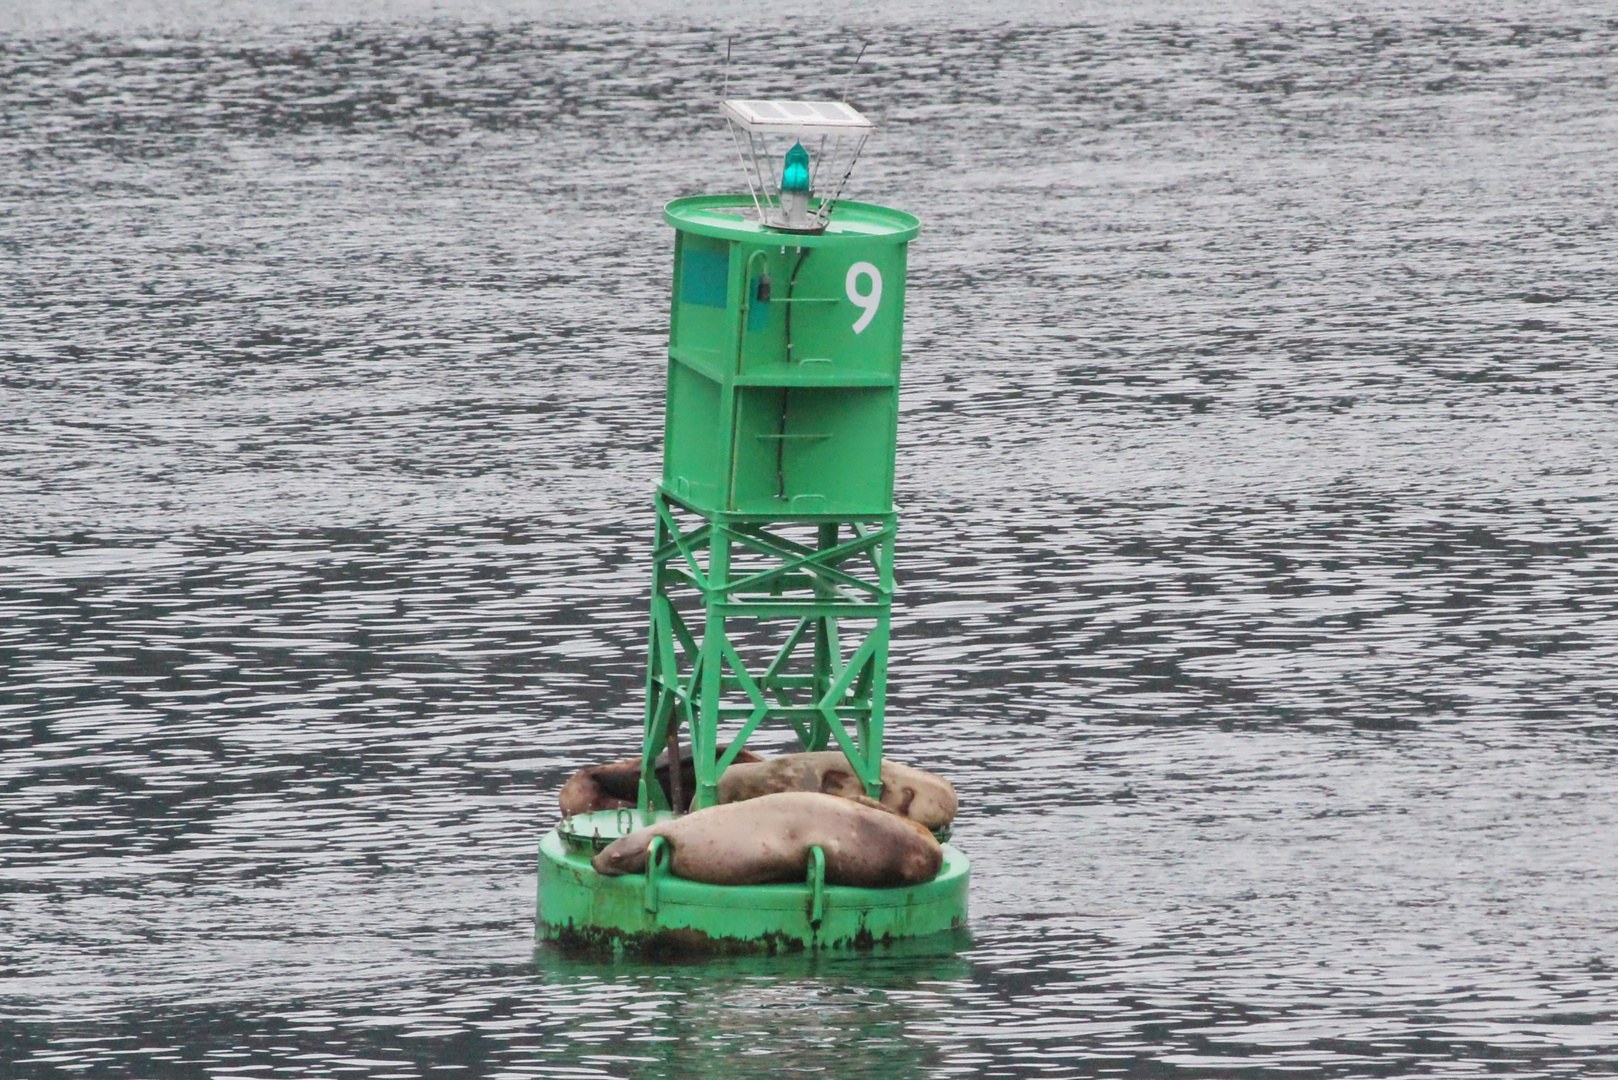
[734,1018]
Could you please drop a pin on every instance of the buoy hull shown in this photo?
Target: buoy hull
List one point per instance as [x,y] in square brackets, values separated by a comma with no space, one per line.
[580,908]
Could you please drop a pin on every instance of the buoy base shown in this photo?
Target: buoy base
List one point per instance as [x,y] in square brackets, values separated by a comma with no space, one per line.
[660,913]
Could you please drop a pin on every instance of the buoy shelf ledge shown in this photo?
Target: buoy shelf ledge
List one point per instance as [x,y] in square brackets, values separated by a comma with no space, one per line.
[659,913]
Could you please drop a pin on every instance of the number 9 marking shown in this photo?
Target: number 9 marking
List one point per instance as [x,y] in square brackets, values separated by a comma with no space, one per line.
[869,301]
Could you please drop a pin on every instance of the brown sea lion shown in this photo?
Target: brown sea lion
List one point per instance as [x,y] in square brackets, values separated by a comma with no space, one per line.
[918,795]
[616,785]
[768,840]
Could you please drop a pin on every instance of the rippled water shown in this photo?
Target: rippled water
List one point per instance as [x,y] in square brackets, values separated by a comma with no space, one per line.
[1258,581]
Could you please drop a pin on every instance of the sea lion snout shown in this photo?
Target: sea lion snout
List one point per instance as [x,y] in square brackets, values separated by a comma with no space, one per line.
[625,855]
[616,785]
[923,863]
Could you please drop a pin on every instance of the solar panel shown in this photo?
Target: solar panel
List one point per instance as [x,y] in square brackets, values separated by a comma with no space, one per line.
[797,117]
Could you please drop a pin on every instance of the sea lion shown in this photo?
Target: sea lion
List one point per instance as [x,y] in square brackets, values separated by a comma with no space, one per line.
[616,785]
[916,794]
[768,840]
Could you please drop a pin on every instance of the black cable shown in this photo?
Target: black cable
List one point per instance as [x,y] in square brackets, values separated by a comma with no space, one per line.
[786,391]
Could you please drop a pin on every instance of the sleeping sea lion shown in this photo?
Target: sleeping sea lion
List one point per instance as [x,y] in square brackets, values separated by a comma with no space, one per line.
[918,795]
[616,785]
[768,840]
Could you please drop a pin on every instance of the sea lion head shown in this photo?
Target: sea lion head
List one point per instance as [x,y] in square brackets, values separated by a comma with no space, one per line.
[921,862]
[602,787]
[625,855]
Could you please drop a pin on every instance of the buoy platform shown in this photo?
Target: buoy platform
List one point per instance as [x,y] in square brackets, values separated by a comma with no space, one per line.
[657,912]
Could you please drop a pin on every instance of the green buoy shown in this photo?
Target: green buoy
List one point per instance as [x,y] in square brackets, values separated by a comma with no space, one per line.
[773,556]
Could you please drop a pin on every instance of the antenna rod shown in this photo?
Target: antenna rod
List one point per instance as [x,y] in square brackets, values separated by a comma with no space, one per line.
[724,91]
[848,80]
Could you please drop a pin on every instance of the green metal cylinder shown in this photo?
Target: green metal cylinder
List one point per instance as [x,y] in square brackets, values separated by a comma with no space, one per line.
[783,394]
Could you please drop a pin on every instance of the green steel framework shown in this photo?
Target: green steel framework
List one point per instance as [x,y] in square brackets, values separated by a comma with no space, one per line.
[693,679]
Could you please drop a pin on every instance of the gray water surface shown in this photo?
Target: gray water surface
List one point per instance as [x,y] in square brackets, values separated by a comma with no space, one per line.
[1258,591]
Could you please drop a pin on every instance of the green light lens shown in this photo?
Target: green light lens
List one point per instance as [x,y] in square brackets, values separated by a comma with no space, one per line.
[795,176]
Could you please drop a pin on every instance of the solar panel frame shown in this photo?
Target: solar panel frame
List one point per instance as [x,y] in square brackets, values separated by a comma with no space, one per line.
[795,117]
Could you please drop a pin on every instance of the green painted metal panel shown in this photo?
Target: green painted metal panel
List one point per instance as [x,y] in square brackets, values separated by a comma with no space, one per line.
[829,321]
[704,272]
[693,447]
[815,309]
[701,318]
[812,450]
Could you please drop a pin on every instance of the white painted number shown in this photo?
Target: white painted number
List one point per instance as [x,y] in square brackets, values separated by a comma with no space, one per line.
[869,300]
